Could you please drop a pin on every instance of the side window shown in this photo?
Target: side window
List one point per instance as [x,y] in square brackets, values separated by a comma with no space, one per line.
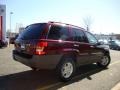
[91,38]
[58,32]
[78,35]
[73,35]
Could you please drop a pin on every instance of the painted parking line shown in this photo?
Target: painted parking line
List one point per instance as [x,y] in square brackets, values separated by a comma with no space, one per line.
[53,85]
[114,63]
[116,87]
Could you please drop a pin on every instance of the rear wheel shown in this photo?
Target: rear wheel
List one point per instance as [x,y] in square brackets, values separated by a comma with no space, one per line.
[66,69]
[105,61]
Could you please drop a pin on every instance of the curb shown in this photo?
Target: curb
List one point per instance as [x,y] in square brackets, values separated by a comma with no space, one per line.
[116,87]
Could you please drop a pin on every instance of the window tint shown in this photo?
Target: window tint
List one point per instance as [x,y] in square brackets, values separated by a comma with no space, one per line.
[32,32]
[58,32]
[91,38]
[78,35]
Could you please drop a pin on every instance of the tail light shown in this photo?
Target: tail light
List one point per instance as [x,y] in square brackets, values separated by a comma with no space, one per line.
[39,49]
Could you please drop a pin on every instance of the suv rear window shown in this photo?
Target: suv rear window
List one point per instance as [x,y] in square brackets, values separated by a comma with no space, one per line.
[32,31]
[58,32]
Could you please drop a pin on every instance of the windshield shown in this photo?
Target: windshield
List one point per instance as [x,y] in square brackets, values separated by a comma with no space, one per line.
[32,31]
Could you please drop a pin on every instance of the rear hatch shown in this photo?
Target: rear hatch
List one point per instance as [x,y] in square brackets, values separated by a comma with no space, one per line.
[26,41]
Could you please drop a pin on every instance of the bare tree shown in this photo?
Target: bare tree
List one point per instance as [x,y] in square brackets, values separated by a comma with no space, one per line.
[87,22]
[18,26]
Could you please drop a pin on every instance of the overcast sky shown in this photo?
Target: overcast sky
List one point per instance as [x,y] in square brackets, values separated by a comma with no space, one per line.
[105,14]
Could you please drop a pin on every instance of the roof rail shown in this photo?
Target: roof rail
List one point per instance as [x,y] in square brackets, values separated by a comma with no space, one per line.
[67,24]
[58,22]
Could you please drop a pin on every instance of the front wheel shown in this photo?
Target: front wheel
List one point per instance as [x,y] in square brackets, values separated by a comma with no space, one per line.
[66,69]
[104,62]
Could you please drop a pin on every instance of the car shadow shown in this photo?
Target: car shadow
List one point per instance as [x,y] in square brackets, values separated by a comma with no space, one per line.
[2,47]
[43,79]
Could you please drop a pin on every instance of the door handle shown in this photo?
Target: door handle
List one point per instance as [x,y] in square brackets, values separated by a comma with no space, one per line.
[92,46]
[76,45]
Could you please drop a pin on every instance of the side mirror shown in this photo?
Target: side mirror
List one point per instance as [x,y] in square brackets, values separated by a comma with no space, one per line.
[100,43]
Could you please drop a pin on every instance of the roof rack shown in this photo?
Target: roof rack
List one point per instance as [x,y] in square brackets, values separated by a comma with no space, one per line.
[67,24]
[58,22]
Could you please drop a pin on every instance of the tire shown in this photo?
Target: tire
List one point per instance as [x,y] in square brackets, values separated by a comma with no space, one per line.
[104,62]
[66,69]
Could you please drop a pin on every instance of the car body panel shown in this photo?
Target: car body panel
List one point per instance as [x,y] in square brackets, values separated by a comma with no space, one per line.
[54,50]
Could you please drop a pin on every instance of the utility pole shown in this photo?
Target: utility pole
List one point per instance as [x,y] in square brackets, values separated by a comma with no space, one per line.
[10,24]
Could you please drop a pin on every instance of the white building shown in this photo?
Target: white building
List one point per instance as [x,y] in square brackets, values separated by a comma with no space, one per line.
[2,22]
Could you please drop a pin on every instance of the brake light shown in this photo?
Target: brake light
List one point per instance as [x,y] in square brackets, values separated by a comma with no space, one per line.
[40,48]
[42,44]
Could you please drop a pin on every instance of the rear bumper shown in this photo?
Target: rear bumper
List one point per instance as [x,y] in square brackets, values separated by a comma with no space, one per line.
[41,62]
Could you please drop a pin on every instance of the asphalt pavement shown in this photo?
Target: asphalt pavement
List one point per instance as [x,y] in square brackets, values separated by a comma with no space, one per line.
[16,76]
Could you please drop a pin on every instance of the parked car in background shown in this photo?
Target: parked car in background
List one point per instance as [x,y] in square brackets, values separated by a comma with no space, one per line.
[114,44]
[3,43]
[59,46]
[105,43]
[12,39]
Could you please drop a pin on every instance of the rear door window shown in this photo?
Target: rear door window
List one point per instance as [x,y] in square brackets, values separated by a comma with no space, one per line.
[58,32]
[78,35]
[32,32]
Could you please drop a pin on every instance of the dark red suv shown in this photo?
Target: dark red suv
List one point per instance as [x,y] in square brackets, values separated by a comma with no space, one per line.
[59,46]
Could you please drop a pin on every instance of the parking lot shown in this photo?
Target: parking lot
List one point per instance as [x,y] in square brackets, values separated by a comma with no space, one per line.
[16,76]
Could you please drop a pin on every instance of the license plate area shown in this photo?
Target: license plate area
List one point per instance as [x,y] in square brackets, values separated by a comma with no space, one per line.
[22,46]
